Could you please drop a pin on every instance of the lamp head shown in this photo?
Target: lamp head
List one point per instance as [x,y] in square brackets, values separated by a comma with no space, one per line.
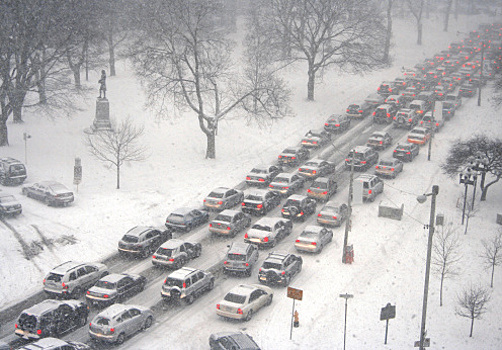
[421,199]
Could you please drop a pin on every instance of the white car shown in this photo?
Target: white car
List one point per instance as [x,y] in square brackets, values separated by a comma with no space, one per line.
[267,231]
[242,301]
[313,239]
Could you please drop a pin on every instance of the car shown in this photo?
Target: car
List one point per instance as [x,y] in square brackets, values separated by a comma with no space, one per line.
[389,167]
[115,287]
[51,343]
[286,183]
[419,106]
[419,135]
[449,84]
[280,268]
[142,241]
[440,92]
[223,198]
[185,219]
[401,83]
[262,175]
[175,253]
[361,157]
[384,113]
[429,97]
[467,90]
[71,279]
[260,202]
[298,207]
[292,156]
[359,110]
[374,100]
[240,258]
[406,151]
[449,110]
[12,171]
[118,321]
[372,186]
[186,284]
[395,100]
[229,222]
[51,318]
[313,239]
[50,192]
[322,188]
[232,341]
[267,231]
[333,214]
[315,168]
[316,138]
[242,301]
[337,123]
[408,95]
[388,88]
[431,122]
[379,140]
[454,98]
[405,118]
[9,205]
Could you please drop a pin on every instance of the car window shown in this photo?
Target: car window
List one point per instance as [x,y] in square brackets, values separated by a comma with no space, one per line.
[90,269]
[195,278]
[126,315]
[54,277]
[105,284]
[81,272]
[173,282]
[188,283]
[254,295]
[102,321]
[149,235]
[231,192]
[134,312]
[200,275]
[235,298]
[182,248]
[272,265]
[73,276]
[236,257]
[261,227]
[216,195]
[130,239]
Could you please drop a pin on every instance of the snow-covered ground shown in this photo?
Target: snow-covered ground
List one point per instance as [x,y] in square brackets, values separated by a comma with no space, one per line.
[389,255]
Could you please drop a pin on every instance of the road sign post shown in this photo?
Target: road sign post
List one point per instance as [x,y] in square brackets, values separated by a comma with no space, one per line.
[77,172]
[388,312]
[346,296]
[295,294]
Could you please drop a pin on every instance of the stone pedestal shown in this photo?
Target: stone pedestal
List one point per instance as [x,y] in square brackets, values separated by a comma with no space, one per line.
[102,119]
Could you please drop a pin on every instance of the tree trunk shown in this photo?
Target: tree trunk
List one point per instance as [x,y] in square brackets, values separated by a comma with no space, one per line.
[456,9]
[17,115]
[111,60]
[118,177]
[441,290]
[389,32]
[311,84]
[485,188]
[211,145]
[472,326]
[76,75]
[419,33]
[4,139]
[493,272]
[447,15]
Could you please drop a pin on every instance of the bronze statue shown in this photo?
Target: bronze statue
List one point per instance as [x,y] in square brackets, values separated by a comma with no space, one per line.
[102,87]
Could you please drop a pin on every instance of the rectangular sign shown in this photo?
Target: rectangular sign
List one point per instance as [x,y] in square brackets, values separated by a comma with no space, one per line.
[295,293]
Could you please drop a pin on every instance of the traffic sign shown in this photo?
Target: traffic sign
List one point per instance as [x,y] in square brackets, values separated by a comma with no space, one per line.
[388,312]
[295,293]
[427,343]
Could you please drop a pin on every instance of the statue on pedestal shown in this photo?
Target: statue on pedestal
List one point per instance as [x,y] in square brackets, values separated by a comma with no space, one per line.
[102,82]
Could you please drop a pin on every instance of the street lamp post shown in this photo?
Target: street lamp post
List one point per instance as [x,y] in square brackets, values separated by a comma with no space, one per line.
[348,221]
[481,74]
[346,296]
[422,199]
[25,138]
[467,177]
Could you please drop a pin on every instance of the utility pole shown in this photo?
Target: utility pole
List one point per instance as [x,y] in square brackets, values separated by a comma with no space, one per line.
[346,296]
[481,76]
[349,202]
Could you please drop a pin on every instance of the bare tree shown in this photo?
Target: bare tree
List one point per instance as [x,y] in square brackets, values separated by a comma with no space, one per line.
[117,146]
[445,256]
[472,303]
[185,60]
[328,33]
[447,12]
[388,34]
[417,8]
[492,255]
[463,151]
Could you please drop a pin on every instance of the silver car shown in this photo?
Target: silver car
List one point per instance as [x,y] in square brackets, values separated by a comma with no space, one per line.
[242,301]
[268,231]
[49,192]
[333,214]
[118,321]
[313,239]
[223,198]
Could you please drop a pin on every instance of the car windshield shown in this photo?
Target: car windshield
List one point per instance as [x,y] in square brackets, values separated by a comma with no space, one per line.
[16,168]
[311,163]
[330,208]
[176,217]
[58,188]
[216,195]
[292,202]
[225,218]
[254,197]
[447,105]
[55,277]
[236,257]
[386,162]
[319,184]
[377,136]
[102,321]
[282,180]
[262,227]
[174,282]
[27,320]
[165,251]
[7,199]
[271,265]
[421,132]
[309,234]
[106,284]
[289,150]
[359,156]
[235,298]
[259,171]
[130,239]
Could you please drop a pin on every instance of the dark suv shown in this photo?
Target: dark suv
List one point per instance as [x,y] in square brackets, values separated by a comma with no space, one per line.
[240,257]
[279,268]
[260,202]
[297,207]
[143,241]
[337,122]
[51,318]
[12,171]
[384,113]
[363,158]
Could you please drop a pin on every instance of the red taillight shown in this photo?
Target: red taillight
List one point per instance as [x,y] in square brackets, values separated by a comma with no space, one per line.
[325,192]
[247,264]
[246,235]
[217,306]
[210,225]
[220,202]
[297,241]
[106,296]
[348,110]
[112,330]
[15,326]
[248,178]
[309,190]
[43,281]
[184,285]
[261,180]
[171,259]
[361,111]
[363,162]
[319,215]
[313,243]
[337,125]
[293,158]
[334,217]
[346,159]
[410,120]
[225,262]
[165,281]
[408,152]
[327,124]
[265,239]
[228,228]
[243,204]
[395,118]
[315,142]
[377,167]
[239,311]
[88,292]
[369,191]
[64,286]
[388,115]
[283,272]
[381,142]
[437,124]
[39,331]
[259,206]
[314,172]
[279,157]
[374,113]
[395,151]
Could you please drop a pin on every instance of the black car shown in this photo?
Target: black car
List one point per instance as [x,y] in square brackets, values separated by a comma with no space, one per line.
[232,341]
[337,123]
[359,110]
[143,241]
[115,287]
[260,202]
[9,205]
[186,218]
[362,157]
[297,207]
[385,113]
[293,156]
[49,192]
[280,268]
[406,151]
[51,318]
[315,168]
[12,171]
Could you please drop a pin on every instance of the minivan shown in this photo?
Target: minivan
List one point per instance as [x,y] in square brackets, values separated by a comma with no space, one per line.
[455,98]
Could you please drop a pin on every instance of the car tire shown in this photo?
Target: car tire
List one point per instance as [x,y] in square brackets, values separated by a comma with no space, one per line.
[189,299]
[77,293]
[147,252]
[269,301]
[249,316]
[181,262]
[188,228]
[47,201]
[82,321]
[248,272]
[287,280]
[148,322]
[210,285]
[120,338]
